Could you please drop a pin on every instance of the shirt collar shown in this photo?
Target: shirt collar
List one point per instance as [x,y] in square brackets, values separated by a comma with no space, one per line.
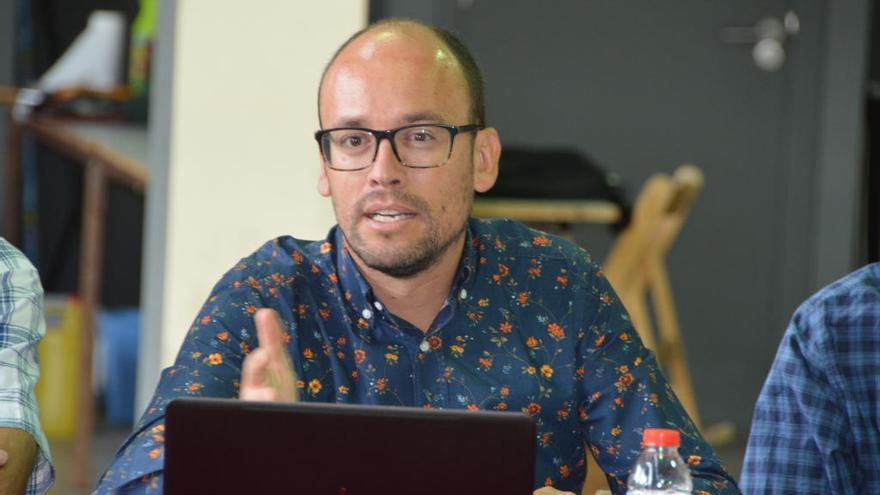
[365,307]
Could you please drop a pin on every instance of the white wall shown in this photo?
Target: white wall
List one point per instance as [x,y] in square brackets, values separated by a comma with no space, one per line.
[233,160]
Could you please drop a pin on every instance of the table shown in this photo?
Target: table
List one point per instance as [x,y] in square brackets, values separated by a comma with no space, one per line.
[551,211]
[107,152]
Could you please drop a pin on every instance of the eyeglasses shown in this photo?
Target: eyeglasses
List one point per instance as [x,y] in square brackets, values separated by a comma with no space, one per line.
[416,146]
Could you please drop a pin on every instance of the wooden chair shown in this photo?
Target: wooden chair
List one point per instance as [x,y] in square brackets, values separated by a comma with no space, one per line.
[636,268]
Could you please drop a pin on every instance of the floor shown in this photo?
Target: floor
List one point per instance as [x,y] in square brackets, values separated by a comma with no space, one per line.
[107,439]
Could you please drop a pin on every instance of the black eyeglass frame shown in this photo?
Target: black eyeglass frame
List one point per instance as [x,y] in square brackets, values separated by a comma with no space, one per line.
[389,134]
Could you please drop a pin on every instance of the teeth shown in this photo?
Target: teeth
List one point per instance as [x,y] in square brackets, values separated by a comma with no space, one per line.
[389,216]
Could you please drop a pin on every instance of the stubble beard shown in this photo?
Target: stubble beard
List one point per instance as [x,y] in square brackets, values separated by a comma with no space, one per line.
[408,261]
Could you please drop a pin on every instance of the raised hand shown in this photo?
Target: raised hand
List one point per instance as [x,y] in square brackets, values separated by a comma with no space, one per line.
[267,373]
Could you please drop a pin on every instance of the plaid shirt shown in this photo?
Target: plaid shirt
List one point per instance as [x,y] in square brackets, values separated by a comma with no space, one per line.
[21,327]
[815,428]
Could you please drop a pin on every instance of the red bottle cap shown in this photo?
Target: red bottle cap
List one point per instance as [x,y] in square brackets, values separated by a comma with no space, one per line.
[660,437]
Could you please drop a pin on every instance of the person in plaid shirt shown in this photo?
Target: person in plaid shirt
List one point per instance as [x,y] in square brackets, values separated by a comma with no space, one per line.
[816,427]
[25,463]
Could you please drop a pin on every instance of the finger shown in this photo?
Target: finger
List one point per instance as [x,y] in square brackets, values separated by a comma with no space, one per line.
[4,457]
[269,330]
[253,372]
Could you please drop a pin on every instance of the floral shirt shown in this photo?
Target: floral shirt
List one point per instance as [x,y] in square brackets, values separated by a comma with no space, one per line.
[530,326]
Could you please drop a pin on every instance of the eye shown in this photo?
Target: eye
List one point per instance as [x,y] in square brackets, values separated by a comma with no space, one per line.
[421,135]
[351,139]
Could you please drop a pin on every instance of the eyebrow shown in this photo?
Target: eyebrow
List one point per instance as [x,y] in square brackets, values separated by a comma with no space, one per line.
[409,118]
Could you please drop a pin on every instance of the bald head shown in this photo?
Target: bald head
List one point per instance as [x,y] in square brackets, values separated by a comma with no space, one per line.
[408,41]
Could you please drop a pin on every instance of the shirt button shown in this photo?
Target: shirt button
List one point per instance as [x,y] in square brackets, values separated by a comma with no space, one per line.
[367,313]
[424,346]
[463,294]
[378,305]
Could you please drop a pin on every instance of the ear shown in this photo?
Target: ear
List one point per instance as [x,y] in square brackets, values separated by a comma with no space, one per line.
[487,153]
[323,181]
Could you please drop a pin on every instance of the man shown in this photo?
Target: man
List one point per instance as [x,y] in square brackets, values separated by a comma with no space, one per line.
[816,427]
[407,302]
[25,465]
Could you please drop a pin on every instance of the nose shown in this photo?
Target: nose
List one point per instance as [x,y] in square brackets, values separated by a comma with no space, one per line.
[387,169]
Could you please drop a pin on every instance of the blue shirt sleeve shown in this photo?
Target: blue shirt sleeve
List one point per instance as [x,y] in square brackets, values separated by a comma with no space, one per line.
[800,440]
[208,365]
[625,392]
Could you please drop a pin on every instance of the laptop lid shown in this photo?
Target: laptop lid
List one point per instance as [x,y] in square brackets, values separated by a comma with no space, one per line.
[233,446]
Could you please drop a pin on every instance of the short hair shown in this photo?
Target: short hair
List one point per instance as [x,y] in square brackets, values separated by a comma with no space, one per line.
[472,75]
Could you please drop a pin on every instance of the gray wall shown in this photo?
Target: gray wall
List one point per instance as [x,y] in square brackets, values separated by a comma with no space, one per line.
[7,54]
[782,153]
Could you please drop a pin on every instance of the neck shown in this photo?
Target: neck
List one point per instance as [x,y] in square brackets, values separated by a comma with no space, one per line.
[416,299]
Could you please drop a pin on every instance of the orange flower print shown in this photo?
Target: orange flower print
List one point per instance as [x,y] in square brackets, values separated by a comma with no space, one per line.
[300,384]
[505,391]
[545,438]
[540,241]
[333,278]
[562,280]
[600,340]
[653,399]
[522,298]
[194,387]
[533,409]
[342,389]
[391,358]
[564,471]
[532,342]
[362,323]
[505,327]
[546,371]
[250,309]
[435,342]
[359,356]
[473,407]
[579,372]
[215,358]
[314,386]
[301,309]
[223,336]
[624,382]
[693,460]
[535,272]
[155,453]
[556,331]
[562,414]
[457,350]
[324,313]
[531,370]
[205,320]
[308,354]
[625,337]
[381,383]
[501,406]
[297,258]
[196,355]
[623,368]
[484,302]
[615,431]
[340,341]
[605,298]
[486,363]
[326,247]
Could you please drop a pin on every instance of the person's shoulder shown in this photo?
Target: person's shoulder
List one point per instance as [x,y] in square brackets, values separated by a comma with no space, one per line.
[848,304]
[520,240]
[11,258]
[285,254]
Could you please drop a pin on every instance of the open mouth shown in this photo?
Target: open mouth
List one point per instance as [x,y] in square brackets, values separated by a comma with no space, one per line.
[388,216]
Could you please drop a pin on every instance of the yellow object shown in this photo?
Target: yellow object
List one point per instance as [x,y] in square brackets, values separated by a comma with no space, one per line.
[59,366]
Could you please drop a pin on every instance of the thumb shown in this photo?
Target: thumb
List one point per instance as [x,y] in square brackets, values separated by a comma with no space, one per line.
[269,331]
[4,457]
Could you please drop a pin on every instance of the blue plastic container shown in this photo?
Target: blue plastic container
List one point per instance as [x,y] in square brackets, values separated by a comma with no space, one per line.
[119,329]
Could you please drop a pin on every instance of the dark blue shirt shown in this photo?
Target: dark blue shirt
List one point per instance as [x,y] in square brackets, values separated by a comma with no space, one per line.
[530,326]
[816,427]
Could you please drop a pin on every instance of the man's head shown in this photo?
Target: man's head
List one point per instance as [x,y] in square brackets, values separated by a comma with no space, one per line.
[399,219]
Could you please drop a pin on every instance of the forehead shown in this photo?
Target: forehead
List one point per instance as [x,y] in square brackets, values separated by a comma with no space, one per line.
[391,72]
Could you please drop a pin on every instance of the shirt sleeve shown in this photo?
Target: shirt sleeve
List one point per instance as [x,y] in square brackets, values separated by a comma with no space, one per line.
[21,327]
[625,392]
[800,440]
[208,365]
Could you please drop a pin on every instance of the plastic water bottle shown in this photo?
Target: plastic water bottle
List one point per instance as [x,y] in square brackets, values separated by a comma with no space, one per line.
[659,469]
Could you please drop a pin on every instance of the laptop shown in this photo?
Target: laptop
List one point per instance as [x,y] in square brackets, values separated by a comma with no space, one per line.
[233,446]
